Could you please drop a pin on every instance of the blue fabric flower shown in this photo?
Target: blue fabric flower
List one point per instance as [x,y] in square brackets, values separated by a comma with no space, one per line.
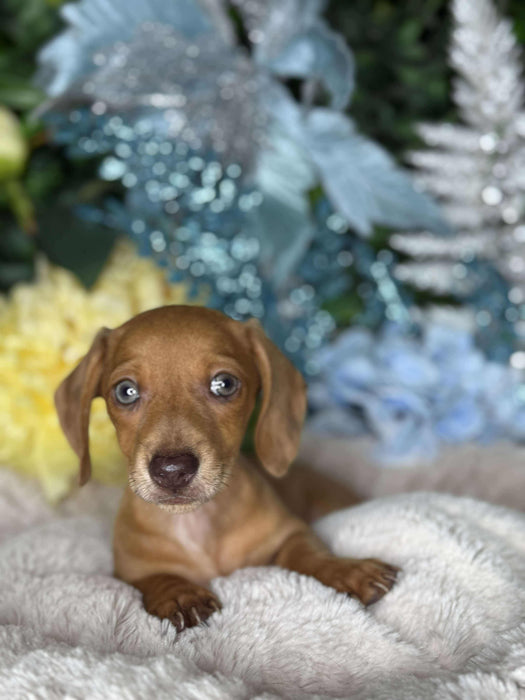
[415,394]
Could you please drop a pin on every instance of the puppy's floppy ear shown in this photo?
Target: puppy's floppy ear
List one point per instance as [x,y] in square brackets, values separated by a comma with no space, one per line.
[280,421]
[73,400]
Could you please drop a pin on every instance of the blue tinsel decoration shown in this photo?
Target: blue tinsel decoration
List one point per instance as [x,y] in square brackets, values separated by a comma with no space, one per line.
[220,161]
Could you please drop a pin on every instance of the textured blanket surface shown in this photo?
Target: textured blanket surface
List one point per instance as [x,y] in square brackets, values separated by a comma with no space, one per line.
[452,628]
[494,472]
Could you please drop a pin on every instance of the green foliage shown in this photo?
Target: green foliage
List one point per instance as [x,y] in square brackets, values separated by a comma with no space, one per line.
[17,252]
[38,198]
[402,73]
[73,243]
[515,9]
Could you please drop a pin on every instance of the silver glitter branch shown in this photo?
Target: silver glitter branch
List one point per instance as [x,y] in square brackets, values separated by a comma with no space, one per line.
[476,170]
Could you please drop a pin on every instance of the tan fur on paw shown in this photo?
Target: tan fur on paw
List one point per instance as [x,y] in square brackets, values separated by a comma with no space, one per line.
[365,579]
[184,603]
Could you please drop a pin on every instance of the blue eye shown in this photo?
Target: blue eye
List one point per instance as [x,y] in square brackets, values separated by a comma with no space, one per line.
[224,384]
[126,392]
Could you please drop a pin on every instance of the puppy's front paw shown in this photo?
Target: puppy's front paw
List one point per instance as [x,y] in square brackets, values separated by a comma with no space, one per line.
[366,579]
[184,603]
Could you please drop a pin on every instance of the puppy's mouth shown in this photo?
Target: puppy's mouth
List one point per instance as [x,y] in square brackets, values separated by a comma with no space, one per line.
[176,499]
[201,489]
[182,501]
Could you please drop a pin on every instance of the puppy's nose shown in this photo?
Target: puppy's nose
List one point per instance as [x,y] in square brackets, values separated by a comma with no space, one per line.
[173,472]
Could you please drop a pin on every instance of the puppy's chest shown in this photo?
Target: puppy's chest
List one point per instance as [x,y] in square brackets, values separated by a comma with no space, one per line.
[196,538]
[209,550]
[192,531]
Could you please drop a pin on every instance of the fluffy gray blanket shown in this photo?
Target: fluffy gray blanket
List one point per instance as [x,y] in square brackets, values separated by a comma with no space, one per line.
[453,627]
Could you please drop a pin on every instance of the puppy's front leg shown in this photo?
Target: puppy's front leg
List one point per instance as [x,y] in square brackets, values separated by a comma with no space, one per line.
[183,602]
[366,579]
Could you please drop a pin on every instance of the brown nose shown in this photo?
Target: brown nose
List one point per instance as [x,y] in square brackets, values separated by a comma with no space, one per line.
[173,472]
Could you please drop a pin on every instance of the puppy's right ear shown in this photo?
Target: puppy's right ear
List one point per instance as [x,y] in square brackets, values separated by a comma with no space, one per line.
[73,400]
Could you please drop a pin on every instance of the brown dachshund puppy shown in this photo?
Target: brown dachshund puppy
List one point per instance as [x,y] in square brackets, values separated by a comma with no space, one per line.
[180,384]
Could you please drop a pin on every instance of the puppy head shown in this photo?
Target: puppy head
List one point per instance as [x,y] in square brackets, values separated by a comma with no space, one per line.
[180,383]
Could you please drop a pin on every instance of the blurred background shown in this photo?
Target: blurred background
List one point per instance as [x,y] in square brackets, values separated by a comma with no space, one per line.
[351,173]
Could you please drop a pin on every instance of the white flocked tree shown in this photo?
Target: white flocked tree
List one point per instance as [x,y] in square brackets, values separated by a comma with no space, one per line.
[476,168]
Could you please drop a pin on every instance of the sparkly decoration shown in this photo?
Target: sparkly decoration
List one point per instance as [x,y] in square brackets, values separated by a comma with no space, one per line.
[219,160]
[477,172]
[416,393]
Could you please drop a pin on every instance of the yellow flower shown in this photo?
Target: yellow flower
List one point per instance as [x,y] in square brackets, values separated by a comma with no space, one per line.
[45,328]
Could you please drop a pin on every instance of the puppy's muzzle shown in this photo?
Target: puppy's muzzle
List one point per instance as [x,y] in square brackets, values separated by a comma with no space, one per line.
[173,472]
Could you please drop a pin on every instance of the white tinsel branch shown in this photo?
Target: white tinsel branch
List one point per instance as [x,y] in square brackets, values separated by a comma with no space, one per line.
[485,54]
[476,170]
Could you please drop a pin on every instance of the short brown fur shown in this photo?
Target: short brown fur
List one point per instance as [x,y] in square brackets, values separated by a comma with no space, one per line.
[170,544]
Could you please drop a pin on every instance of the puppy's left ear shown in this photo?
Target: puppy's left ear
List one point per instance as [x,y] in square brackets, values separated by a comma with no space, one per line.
[73,400]
[283,407]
